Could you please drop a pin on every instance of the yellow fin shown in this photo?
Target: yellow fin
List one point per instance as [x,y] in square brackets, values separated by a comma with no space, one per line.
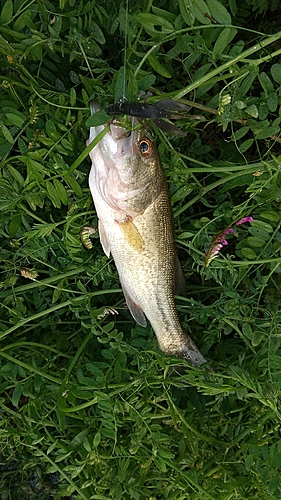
[132,234]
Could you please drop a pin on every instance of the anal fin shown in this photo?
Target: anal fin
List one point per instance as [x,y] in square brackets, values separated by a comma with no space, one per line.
[135,309]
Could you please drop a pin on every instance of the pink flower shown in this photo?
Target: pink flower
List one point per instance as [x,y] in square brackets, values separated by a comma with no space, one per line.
[217,244]
[243,220]
[221,237]
[220,240]
[228,230]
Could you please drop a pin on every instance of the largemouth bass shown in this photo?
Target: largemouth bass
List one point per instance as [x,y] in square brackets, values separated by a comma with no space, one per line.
[132,201]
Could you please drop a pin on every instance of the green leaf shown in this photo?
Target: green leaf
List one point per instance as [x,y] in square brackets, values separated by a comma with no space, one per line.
[160,464]
[200,10]
[266,83]
[187,12]
[268,132]
[120,85]
[255,241]
[248,82]
[7,12]
[61,191]
[16,119]
[108,354]
[14,225]
[109,433]
[239,104]
[51,130]
[218,12]
[146,82]
[240,133]
[6,133]
[5,150]
[98,118]
[34,200]
[57,291]
[164,453]
[22,21]
[66,144]
[273,484]
[59,85]
[73,184]
[38,381]
[248,253]
[74,77]
[259,234]
[158,67]
[257,337]
[271,215]
[169,16]
[22,146]
[252,110]
[96,32]
[78,439]
[53,195]
[246,145]
[233,7]
[16,174]
[275,71]
[263,110]
[272,101]
[72,96]
[275,457]
[16,395]
[261,225]
[182,193]
[247,330]
[149,21]
[223,42]
[133,87]
[186,235]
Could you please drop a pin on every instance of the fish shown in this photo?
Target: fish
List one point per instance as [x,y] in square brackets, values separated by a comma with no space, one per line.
[135,225]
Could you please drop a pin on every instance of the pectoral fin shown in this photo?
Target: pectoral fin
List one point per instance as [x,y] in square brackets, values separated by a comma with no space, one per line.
[135,309]
[131,234]
[103,239]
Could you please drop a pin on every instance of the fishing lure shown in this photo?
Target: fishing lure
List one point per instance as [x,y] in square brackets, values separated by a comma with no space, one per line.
[166,108]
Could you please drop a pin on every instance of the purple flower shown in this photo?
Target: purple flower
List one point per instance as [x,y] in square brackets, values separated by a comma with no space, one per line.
[217,244]
[221,237]
[228,230]
[243,220]
[212,253]
[220,241]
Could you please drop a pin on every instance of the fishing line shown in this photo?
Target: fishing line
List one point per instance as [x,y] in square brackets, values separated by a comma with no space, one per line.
[125,49]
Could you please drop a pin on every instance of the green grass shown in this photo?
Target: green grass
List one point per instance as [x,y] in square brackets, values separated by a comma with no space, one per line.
[90,408]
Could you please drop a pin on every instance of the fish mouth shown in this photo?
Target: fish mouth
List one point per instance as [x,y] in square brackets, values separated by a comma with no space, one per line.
[119,140]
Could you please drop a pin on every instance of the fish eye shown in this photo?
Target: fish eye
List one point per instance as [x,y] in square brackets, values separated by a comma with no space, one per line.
[146,146]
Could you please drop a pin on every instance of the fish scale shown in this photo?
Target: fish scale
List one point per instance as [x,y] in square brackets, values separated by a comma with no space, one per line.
[132,201]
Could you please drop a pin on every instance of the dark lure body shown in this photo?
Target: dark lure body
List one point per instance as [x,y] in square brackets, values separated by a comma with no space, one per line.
[166,108]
